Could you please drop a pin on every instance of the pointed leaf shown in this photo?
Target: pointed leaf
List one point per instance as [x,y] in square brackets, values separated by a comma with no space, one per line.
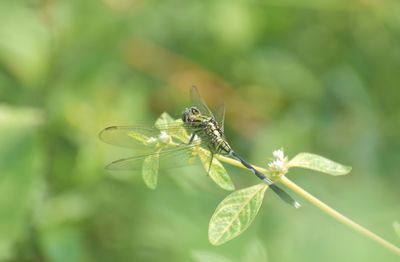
[163,120]
[217,171]
[180,133]
[319,163]
[235,214]
[150,170]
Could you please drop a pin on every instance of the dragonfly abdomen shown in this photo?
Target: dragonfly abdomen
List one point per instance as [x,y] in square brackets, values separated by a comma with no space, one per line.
[216,137]
[222,147]
[281,193]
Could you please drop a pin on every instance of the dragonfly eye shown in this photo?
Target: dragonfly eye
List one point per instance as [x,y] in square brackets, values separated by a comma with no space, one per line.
[189,114]
[194,111]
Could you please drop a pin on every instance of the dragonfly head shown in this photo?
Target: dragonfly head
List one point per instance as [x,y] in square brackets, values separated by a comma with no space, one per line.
[190,114]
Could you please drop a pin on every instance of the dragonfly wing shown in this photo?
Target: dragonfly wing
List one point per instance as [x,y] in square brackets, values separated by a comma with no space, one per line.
[168,158]
[138,136]
[124,135]
[220,116]
[199,102]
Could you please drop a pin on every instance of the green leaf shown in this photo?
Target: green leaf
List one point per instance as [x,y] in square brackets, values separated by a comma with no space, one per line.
[163,120]
[150,170]
[217,171]
[235,214]
[25,46]
[179,131]
[21,165]
[319,163]
[396,226]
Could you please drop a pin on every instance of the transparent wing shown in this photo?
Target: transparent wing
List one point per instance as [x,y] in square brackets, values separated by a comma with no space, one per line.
[220,116]
[199,102]
[168,158]
[137,136]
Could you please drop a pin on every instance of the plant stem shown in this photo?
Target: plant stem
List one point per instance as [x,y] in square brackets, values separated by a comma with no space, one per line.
[323,207]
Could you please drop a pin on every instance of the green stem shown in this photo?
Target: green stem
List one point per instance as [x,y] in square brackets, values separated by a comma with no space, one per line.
[323,207]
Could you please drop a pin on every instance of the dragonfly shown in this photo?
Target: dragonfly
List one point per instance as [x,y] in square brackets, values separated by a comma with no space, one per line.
[177,142]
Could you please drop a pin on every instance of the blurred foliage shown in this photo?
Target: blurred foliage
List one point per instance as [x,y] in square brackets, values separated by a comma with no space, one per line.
[316,76]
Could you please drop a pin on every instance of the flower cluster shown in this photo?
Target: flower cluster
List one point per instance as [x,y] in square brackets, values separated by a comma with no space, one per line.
[163,138]
[278,166]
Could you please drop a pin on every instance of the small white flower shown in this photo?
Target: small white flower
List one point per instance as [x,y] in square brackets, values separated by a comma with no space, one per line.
[279,154]
[163,137]
[278,166]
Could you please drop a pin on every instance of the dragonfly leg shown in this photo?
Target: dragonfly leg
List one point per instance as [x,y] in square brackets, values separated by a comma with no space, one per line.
[192,136]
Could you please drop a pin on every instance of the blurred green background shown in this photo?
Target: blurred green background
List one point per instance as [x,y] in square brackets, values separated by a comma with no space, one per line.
[315,76]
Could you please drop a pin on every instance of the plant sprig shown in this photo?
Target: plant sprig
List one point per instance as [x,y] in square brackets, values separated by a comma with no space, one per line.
[238,210]
[310,161]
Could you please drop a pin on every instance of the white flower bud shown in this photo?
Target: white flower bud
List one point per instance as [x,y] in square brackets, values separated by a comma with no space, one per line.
[279,154]
[164,138]
[278,165]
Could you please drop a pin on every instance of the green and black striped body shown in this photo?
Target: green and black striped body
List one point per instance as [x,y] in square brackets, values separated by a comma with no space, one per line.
[208,129]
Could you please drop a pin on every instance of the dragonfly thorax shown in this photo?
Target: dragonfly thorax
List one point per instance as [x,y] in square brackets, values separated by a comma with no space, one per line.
[207,129]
